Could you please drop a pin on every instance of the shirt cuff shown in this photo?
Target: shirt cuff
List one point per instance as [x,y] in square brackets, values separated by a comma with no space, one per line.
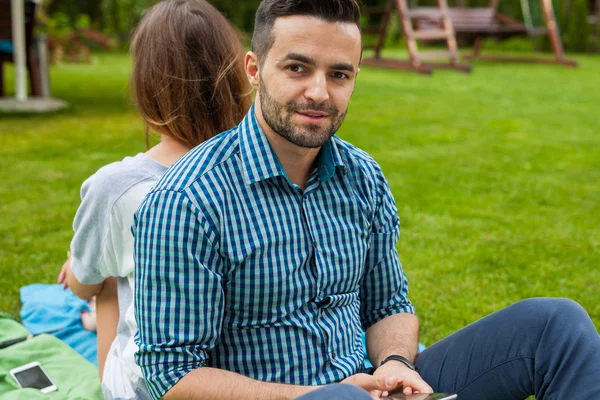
[160,378]
[373,317]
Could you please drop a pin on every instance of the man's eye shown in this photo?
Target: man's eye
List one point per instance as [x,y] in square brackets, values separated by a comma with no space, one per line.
[296,68]
[340,75]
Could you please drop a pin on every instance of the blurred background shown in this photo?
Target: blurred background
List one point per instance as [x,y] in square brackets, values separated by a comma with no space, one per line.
[577,19]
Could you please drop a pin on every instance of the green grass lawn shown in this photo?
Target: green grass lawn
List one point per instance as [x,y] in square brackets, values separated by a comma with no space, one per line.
[496,175]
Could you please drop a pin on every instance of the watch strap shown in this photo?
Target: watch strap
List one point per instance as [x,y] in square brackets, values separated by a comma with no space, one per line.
[403,360]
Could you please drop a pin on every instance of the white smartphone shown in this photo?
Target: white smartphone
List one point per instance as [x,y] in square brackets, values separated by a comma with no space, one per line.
[33,375]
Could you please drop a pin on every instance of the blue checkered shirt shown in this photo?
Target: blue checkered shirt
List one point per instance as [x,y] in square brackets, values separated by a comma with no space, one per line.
[237,268]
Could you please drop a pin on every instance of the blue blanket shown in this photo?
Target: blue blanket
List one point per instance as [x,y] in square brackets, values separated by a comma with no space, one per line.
[49,308]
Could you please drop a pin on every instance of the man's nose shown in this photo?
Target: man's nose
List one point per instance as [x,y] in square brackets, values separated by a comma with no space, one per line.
[317,89]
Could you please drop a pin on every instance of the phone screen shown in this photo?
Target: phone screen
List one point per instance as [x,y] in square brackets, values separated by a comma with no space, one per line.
[33,377]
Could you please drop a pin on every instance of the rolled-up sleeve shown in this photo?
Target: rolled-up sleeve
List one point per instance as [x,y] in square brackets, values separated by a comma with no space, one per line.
[178,292]
[384,289]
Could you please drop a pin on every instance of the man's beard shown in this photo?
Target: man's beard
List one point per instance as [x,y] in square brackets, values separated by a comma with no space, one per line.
[279,119]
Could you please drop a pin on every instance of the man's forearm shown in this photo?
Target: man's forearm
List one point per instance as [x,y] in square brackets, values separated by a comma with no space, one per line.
[211,383]
[396,334]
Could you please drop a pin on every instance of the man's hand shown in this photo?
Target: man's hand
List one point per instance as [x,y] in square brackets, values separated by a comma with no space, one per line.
[410,380]
[62,276]
[377,386]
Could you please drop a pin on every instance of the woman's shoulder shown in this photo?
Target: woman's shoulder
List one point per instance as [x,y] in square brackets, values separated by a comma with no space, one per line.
[108,200]
[111,181]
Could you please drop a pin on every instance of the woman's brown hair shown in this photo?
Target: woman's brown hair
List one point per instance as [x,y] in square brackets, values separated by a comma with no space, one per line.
[188,77]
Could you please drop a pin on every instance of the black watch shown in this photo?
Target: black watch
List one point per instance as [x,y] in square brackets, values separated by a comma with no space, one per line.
[401,359]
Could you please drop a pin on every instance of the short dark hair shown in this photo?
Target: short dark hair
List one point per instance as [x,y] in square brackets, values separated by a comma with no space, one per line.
[269,10]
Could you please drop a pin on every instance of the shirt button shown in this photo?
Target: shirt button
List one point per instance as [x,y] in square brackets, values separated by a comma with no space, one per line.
[333,355]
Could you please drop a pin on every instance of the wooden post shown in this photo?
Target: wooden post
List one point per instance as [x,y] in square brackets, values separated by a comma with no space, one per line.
[18,40]
[44,71]
[477,46]
[385,21]
[479,39]
[408,32]
[552,27]
[449,29]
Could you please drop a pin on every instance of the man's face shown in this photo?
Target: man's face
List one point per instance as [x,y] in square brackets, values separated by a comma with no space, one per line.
[307,78]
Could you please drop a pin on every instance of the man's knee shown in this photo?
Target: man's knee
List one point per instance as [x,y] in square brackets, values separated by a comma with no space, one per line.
[562,312]
[337,391]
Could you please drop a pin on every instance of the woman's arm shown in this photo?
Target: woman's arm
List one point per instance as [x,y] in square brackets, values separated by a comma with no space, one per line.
[107,317]
[80,290]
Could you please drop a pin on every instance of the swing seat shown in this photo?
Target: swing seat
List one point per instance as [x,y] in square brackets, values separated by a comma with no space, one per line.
[485,22]
[488,22]
[471,23]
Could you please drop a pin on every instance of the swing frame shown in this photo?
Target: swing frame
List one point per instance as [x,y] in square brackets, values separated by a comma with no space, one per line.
[478,23]
[551,30]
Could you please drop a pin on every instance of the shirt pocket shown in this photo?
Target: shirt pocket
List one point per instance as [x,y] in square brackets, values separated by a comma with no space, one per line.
[338,300]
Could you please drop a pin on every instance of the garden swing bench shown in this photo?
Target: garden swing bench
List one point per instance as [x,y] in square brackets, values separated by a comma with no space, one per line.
[465,24]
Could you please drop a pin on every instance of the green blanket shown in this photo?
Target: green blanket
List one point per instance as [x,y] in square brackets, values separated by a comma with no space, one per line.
[74,376]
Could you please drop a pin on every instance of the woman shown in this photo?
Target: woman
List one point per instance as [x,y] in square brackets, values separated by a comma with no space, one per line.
[189,84]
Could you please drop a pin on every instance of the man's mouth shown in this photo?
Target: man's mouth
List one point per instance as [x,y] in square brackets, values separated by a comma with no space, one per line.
[314,114]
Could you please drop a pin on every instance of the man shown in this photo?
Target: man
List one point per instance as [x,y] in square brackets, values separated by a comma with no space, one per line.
[261,254]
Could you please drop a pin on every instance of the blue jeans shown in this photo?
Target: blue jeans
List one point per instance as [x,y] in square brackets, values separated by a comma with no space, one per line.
[544,347]
[337,391]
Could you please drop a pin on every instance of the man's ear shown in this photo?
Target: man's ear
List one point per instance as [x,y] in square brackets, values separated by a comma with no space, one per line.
[252,69]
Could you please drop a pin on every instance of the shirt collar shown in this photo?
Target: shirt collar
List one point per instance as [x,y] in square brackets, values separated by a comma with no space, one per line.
[329,160]
[259,161]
